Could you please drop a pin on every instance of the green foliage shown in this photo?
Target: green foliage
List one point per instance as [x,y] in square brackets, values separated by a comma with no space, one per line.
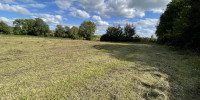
[4,28]
[30,27]
[179,25]
[129,31]
[60,31]
[192,32]
[30,24]
[66,31]
[116,33]
[152,39]
[41,28]
[18,26]
[73,33]
[17,30]
[87,30]
[113,33]
[144,39]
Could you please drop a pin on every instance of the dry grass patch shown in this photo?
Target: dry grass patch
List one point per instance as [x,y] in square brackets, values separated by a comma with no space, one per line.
[42,68]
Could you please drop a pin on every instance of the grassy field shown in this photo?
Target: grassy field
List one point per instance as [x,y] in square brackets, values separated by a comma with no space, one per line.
[44,68]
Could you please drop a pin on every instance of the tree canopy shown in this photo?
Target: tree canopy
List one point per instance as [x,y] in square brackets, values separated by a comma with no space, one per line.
[117,33]
[179,24]
[73,33]
[59,31]
[31,27]
[87,30]
[4,28]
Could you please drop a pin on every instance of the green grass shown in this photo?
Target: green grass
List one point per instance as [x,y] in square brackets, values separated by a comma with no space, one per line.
[45,68]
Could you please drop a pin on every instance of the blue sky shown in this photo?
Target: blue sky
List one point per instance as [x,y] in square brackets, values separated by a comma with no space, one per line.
[143,14]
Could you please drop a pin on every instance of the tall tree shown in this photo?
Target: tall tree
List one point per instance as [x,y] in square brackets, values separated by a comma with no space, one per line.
[87,30]
[165,27]
[41,28]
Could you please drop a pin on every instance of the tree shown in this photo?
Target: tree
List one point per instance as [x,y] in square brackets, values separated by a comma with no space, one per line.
[87,30]
[192,32]
[152,39]
[24,26]
[73,33]
[66,31]
[41,28]
[60,31]
[165,27]
[18,24]
[30,26]
[179,25]
[4,28]
[113,33]
[129,31]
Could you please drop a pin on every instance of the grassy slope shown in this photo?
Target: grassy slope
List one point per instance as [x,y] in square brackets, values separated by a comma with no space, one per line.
[43,68]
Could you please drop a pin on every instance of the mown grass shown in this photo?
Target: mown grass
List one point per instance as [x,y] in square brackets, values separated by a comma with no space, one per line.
[44,68]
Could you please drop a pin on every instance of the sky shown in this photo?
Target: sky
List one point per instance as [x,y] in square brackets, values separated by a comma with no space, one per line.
[143,14]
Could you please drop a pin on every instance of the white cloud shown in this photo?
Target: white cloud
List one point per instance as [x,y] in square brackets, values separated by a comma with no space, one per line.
[146,23]
[79,13]
[51,19]
[101,30]
[60,11]
[64,4]
[124,21]
[6,20]
[123,8]
[28,1]
[14,8]
[146,27]
[158,10]
[147,4]
[100,22]
[146,32]
[9,1]
[36,5]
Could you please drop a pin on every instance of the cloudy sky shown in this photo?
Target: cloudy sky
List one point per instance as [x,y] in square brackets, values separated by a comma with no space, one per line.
[144,14]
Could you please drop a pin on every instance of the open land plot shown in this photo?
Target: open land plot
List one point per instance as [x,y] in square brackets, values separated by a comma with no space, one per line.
[43,68]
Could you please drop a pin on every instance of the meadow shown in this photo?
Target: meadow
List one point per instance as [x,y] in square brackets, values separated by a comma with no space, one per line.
[48,68]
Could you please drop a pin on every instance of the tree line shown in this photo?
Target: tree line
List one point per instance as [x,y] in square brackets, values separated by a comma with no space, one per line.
[38,27]
[126,34]
[118,34]
[179,25]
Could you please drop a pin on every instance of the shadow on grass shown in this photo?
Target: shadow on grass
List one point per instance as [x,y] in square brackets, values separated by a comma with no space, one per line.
[152,58]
